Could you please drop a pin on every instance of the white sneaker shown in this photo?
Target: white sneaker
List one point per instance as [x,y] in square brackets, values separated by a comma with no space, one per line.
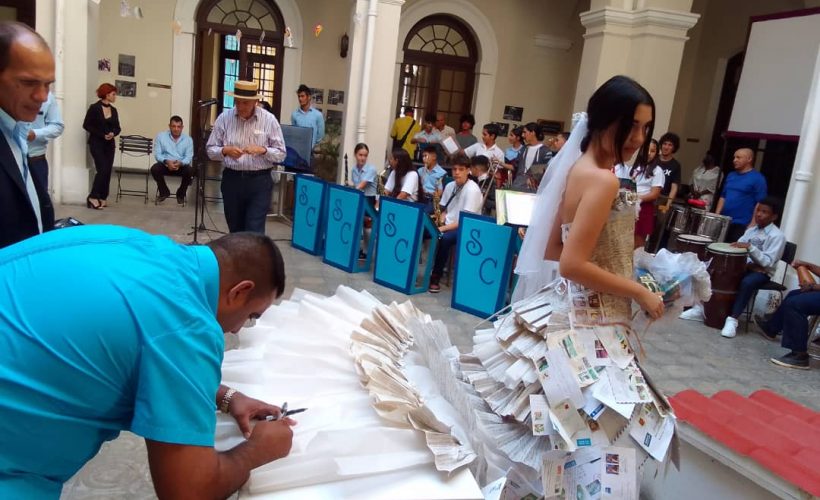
[694,313]
[729,328]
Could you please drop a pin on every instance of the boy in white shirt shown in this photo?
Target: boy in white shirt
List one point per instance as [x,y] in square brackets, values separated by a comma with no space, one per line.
[460,195]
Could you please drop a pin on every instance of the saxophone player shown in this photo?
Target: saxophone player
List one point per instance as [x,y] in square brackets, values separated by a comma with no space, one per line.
[431,175]
[460,195]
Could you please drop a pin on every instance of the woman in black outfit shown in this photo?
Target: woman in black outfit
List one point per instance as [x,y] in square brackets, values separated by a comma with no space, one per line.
[102,124]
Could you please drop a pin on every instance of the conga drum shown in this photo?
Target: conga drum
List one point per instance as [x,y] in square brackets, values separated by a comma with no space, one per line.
[694,243]
[677,222]
[693,221]
[726,270]
[713,226]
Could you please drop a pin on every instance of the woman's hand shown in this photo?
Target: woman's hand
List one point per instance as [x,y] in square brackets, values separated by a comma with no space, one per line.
[651,302]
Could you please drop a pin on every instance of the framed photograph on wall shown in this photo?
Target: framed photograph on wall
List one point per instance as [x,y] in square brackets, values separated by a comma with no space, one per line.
[318,96]
[551,127]
[503,129]
[513,113]
[335,97]
[334,117]
[126,88]
[127,65]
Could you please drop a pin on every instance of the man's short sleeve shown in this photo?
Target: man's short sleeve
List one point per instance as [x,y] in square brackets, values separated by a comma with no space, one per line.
[177,380]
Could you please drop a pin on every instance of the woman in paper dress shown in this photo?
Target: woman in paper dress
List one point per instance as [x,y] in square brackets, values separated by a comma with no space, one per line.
[586,225]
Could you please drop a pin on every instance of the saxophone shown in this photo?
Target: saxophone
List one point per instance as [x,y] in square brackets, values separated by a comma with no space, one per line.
[436,216]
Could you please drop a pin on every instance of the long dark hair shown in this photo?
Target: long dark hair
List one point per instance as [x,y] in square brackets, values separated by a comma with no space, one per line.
[642,166]
[403,166]
[615,102]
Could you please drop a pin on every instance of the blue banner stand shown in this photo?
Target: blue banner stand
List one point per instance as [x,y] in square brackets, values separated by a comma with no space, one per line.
[308,214]
[483,265]
[346,209]
[401,227]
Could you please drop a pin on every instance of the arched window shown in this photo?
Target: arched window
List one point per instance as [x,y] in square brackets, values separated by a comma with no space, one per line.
[438,70]
[225,57]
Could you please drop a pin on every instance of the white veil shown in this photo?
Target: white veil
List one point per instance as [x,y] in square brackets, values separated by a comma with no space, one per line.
[534,272]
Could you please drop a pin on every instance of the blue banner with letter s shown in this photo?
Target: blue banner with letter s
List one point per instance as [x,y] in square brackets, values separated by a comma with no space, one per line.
[401,226]
[483,264]
[308,214]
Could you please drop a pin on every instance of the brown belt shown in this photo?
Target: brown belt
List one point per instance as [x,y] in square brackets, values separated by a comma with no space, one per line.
[41,157]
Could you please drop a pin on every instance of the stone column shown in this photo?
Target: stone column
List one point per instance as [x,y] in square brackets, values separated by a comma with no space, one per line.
[378,110]
[645,42]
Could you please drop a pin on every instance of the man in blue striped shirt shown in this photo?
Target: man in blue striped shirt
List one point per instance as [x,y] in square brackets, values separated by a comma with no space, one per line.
[308,116]
[46,127]
[174,152]
[248,141]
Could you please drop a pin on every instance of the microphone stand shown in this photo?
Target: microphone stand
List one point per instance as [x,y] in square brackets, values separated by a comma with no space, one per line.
[201,156]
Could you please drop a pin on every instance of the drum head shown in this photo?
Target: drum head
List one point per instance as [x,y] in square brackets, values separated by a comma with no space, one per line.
[726,248]
[695,238]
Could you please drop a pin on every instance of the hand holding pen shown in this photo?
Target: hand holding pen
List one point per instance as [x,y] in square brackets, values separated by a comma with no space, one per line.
[284,413]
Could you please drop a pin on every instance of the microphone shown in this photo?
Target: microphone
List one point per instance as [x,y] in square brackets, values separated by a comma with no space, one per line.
[207,102]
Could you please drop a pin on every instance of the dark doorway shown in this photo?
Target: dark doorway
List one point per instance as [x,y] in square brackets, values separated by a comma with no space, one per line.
[19,10]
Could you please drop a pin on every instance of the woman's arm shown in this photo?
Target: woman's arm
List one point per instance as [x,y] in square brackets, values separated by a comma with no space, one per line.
[575,264]
[652,195]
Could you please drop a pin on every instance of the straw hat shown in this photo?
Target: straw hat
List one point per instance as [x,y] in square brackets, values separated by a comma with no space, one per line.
[244,89]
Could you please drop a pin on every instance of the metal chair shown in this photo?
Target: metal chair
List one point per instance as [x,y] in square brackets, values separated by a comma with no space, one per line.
[773,286]
[134,146]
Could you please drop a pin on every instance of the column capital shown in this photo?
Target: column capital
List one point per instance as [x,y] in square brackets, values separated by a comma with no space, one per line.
[393,2]
[674,23]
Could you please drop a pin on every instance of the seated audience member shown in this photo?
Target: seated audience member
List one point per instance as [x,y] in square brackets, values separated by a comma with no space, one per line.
[487,146]
[460,195]
[403,182]
[431,175]
[648,179]
[705,180]
[133,340]
[766,243]
[792,320]
[480,172]
[174,152]
[363,175]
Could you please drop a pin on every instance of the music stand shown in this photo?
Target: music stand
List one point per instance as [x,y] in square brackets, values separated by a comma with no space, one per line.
[201,158]
[514,207]
[299,145]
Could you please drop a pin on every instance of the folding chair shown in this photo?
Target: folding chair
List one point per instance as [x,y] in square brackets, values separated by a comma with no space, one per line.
[134,146]
[773,286]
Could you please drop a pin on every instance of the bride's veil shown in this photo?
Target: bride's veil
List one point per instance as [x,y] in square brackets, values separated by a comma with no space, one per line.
[534,271]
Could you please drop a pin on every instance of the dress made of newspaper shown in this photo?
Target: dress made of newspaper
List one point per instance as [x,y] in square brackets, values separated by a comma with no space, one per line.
[560,374]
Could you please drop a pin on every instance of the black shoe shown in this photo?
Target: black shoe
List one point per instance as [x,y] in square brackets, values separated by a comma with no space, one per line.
[362,255]
[764,330]
[799,360]
[180,199]
[163,197]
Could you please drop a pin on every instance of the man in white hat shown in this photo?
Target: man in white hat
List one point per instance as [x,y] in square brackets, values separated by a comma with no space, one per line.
[248,141]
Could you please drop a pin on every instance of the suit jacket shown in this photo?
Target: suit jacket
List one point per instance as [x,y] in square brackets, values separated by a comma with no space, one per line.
[17,218]
[95,125]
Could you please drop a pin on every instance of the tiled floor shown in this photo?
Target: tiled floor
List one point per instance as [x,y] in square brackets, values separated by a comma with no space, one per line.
[686,355]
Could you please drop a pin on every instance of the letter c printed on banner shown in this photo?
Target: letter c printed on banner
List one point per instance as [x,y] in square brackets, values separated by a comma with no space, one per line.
[345,227]
[311,212]
[403,243]
[481,270]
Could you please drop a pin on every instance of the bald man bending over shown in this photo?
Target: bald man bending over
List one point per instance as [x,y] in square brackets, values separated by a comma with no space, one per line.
[743,189]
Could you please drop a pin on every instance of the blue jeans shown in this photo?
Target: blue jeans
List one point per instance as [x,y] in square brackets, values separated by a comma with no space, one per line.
[750,284]
[445,245]
[246,197]
[792,318]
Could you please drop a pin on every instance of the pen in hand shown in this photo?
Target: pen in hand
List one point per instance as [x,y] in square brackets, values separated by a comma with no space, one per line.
[273,418]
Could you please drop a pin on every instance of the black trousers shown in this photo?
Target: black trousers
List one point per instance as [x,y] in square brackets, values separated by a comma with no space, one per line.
[102,152]
[159,170]
[246,197]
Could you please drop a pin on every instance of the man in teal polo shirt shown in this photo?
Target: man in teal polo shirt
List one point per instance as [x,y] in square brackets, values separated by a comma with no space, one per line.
[103,329]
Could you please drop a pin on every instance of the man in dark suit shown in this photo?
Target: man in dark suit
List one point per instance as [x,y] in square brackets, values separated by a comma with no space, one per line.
[26,73]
